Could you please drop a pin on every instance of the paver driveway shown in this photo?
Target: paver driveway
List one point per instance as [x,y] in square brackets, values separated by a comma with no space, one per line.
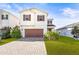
[23,48]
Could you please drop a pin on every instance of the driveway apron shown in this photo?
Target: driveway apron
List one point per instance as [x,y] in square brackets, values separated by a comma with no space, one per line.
[23,48]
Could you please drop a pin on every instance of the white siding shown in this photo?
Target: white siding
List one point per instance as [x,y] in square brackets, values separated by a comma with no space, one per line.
[11,22]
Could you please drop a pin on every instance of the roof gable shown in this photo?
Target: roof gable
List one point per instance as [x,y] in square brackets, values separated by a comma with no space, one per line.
[34,10]
[8,12]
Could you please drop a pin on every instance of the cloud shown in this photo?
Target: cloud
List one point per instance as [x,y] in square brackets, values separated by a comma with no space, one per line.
[33,5]
[72,13]
[10,6]
[5,6]
[21,6]
[16,7]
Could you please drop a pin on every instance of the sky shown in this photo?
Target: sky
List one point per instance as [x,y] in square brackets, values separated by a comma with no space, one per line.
[62,13]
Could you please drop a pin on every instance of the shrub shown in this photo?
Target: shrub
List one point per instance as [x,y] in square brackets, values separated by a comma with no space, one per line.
[52,35]
[15,32]
[45,38]
[75,32]
[56,35]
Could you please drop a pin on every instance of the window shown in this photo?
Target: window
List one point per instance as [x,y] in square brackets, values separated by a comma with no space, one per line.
[40,17]
[49,22]
[26,17]
[4,17]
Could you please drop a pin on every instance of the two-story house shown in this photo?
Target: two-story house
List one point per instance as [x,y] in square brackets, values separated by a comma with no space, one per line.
[33,22]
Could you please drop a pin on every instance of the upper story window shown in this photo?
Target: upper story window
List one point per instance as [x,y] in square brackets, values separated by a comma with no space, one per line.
[40,17]
[4,17]
[49,22]
[26,17]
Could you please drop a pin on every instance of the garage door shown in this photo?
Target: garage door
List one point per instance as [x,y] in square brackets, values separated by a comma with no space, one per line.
[33,32]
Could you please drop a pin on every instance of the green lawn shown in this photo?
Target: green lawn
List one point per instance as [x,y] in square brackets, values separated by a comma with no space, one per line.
[63,46]
[4,41]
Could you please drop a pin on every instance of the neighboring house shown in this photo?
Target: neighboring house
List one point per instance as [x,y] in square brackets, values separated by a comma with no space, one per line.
[34,23]
[50,25]
[66,30]
[7,19]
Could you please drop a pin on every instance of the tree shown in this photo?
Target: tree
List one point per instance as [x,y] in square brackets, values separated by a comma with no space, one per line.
[15,32]
[75,31]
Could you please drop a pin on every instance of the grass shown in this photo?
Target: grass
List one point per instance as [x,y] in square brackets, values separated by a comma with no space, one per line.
[4,41]
[63,46]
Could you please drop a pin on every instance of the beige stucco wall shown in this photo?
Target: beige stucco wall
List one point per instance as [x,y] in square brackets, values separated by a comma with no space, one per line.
[33,24]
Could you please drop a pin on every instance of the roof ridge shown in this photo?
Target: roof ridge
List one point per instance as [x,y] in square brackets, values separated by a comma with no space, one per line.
[31,9]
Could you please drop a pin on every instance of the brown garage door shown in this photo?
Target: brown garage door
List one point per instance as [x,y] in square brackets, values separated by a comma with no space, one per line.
[33,32]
